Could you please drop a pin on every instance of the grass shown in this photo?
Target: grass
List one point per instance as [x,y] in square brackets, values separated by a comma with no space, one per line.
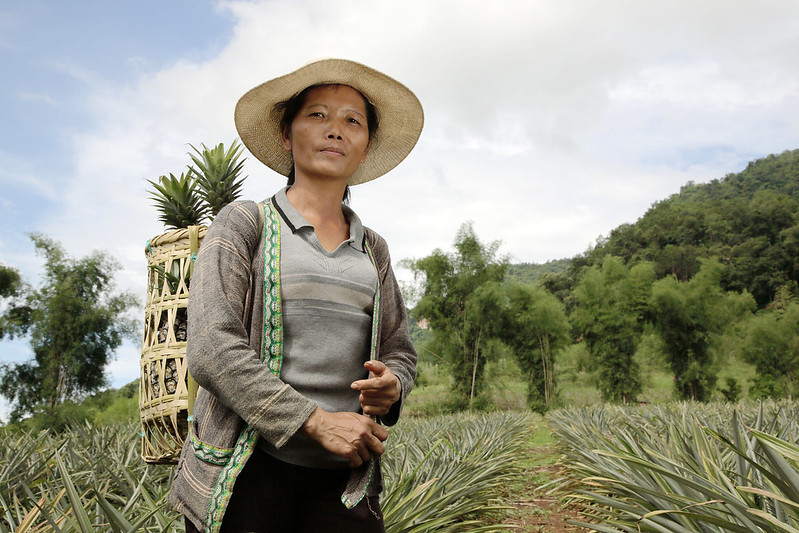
[535,495]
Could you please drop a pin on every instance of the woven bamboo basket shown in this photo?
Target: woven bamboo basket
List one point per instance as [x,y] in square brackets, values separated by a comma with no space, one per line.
[166,391]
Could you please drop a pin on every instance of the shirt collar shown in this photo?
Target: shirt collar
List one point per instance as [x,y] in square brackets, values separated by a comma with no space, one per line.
[295,220]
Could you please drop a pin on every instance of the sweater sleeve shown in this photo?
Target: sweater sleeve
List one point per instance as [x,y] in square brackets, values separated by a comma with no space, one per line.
[219,354]
[395,347]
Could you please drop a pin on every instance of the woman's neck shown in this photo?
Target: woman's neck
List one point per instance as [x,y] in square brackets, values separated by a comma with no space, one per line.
[321,207]
[318,202]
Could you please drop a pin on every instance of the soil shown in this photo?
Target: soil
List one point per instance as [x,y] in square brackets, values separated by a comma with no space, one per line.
[540,510]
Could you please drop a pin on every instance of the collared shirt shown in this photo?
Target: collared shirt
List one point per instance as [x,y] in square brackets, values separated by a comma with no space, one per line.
[327,301]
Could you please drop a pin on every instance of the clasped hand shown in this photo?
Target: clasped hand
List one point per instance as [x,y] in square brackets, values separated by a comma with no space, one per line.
[380,391]
[351,435]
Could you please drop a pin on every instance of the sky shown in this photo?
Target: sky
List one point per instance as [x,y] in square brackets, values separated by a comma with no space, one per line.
[547,123]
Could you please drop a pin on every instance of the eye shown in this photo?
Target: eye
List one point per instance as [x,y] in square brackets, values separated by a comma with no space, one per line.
[352,120]
[316,114]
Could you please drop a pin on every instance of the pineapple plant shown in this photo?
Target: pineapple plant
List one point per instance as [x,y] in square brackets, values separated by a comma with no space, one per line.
[212,182]
[217,173]
[178,201]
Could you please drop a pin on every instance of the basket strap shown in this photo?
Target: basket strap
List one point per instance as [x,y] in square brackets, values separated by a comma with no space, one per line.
[194,246]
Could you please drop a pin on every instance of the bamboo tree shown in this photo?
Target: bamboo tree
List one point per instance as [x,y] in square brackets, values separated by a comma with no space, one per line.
[611,301]
[533,324]
[447,282]
[687,316]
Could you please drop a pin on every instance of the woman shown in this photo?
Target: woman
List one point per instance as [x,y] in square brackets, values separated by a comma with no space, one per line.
[297,329]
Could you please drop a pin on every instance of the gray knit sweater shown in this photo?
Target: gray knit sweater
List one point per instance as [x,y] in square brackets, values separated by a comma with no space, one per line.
[233,353]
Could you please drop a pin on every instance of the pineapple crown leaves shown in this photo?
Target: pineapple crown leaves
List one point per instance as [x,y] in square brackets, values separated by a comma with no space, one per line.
[178,201]
[172,278]
[217,171]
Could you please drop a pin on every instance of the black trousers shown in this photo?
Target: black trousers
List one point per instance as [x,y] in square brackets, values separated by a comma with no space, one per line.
[271,496]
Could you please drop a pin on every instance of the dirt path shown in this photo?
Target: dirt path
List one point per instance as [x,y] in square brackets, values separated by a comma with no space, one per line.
[538,512]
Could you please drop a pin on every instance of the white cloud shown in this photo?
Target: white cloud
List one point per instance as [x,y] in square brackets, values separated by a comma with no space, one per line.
[547,123]
[38,97]
[525,89]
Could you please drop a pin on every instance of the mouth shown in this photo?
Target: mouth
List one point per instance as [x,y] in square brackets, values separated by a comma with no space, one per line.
[332,150]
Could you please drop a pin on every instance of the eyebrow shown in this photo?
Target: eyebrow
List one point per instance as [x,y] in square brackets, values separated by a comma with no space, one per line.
[350,109]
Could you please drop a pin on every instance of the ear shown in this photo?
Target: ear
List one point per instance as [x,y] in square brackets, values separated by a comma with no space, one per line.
[286,140]
[366,152]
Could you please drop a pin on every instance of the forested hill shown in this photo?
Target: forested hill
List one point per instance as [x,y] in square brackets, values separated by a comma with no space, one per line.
[749,221]
[531,272]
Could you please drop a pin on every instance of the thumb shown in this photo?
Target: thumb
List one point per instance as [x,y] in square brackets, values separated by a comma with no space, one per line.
[375,367]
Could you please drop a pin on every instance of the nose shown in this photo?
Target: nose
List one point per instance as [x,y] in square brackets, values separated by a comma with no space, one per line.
[334,129]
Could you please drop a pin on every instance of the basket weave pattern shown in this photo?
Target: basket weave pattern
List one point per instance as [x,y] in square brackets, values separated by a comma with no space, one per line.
[164,388]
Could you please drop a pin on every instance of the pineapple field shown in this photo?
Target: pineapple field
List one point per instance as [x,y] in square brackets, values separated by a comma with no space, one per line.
[441,474]
[679,467]
[683,467]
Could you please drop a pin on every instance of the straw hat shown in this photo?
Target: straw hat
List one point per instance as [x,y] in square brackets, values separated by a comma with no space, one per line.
[399,114]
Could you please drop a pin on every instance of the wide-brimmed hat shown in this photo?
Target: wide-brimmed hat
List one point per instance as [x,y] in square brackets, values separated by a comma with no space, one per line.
[399,113]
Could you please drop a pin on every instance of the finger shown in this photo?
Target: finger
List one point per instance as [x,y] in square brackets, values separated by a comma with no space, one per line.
[380,402]
[375,445]
[381,393]
[364,450]
[378,431]
[355,460]
[375,366]
[367,384]
[375,408]
[372,410]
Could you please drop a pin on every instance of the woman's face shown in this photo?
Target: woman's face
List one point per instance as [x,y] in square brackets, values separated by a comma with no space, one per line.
[329,136]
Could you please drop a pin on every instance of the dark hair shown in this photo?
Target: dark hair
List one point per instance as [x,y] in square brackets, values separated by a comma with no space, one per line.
[288,110]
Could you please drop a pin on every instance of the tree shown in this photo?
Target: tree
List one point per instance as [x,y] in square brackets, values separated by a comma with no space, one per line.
[686,315]
[75,323]
[447,282]
[533,324]
[771,344]
[10,282]
[610,314]
[14,319]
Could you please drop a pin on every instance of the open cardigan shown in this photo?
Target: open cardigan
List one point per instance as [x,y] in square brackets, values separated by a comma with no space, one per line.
[234,353]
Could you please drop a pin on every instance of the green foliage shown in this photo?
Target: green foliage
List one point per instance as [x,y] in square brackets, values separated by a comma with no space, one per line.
[684,467]
[178,201]
[216,172]
[533,324]
[103,408]
[609,315]
[771,343]
[530,273]
[687,315]
[449,281]
[746,225]
[748,220]
[85,478]
[732,391]
[75,323]
[441,474]
[212,182]
[16,316]
[10,282]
